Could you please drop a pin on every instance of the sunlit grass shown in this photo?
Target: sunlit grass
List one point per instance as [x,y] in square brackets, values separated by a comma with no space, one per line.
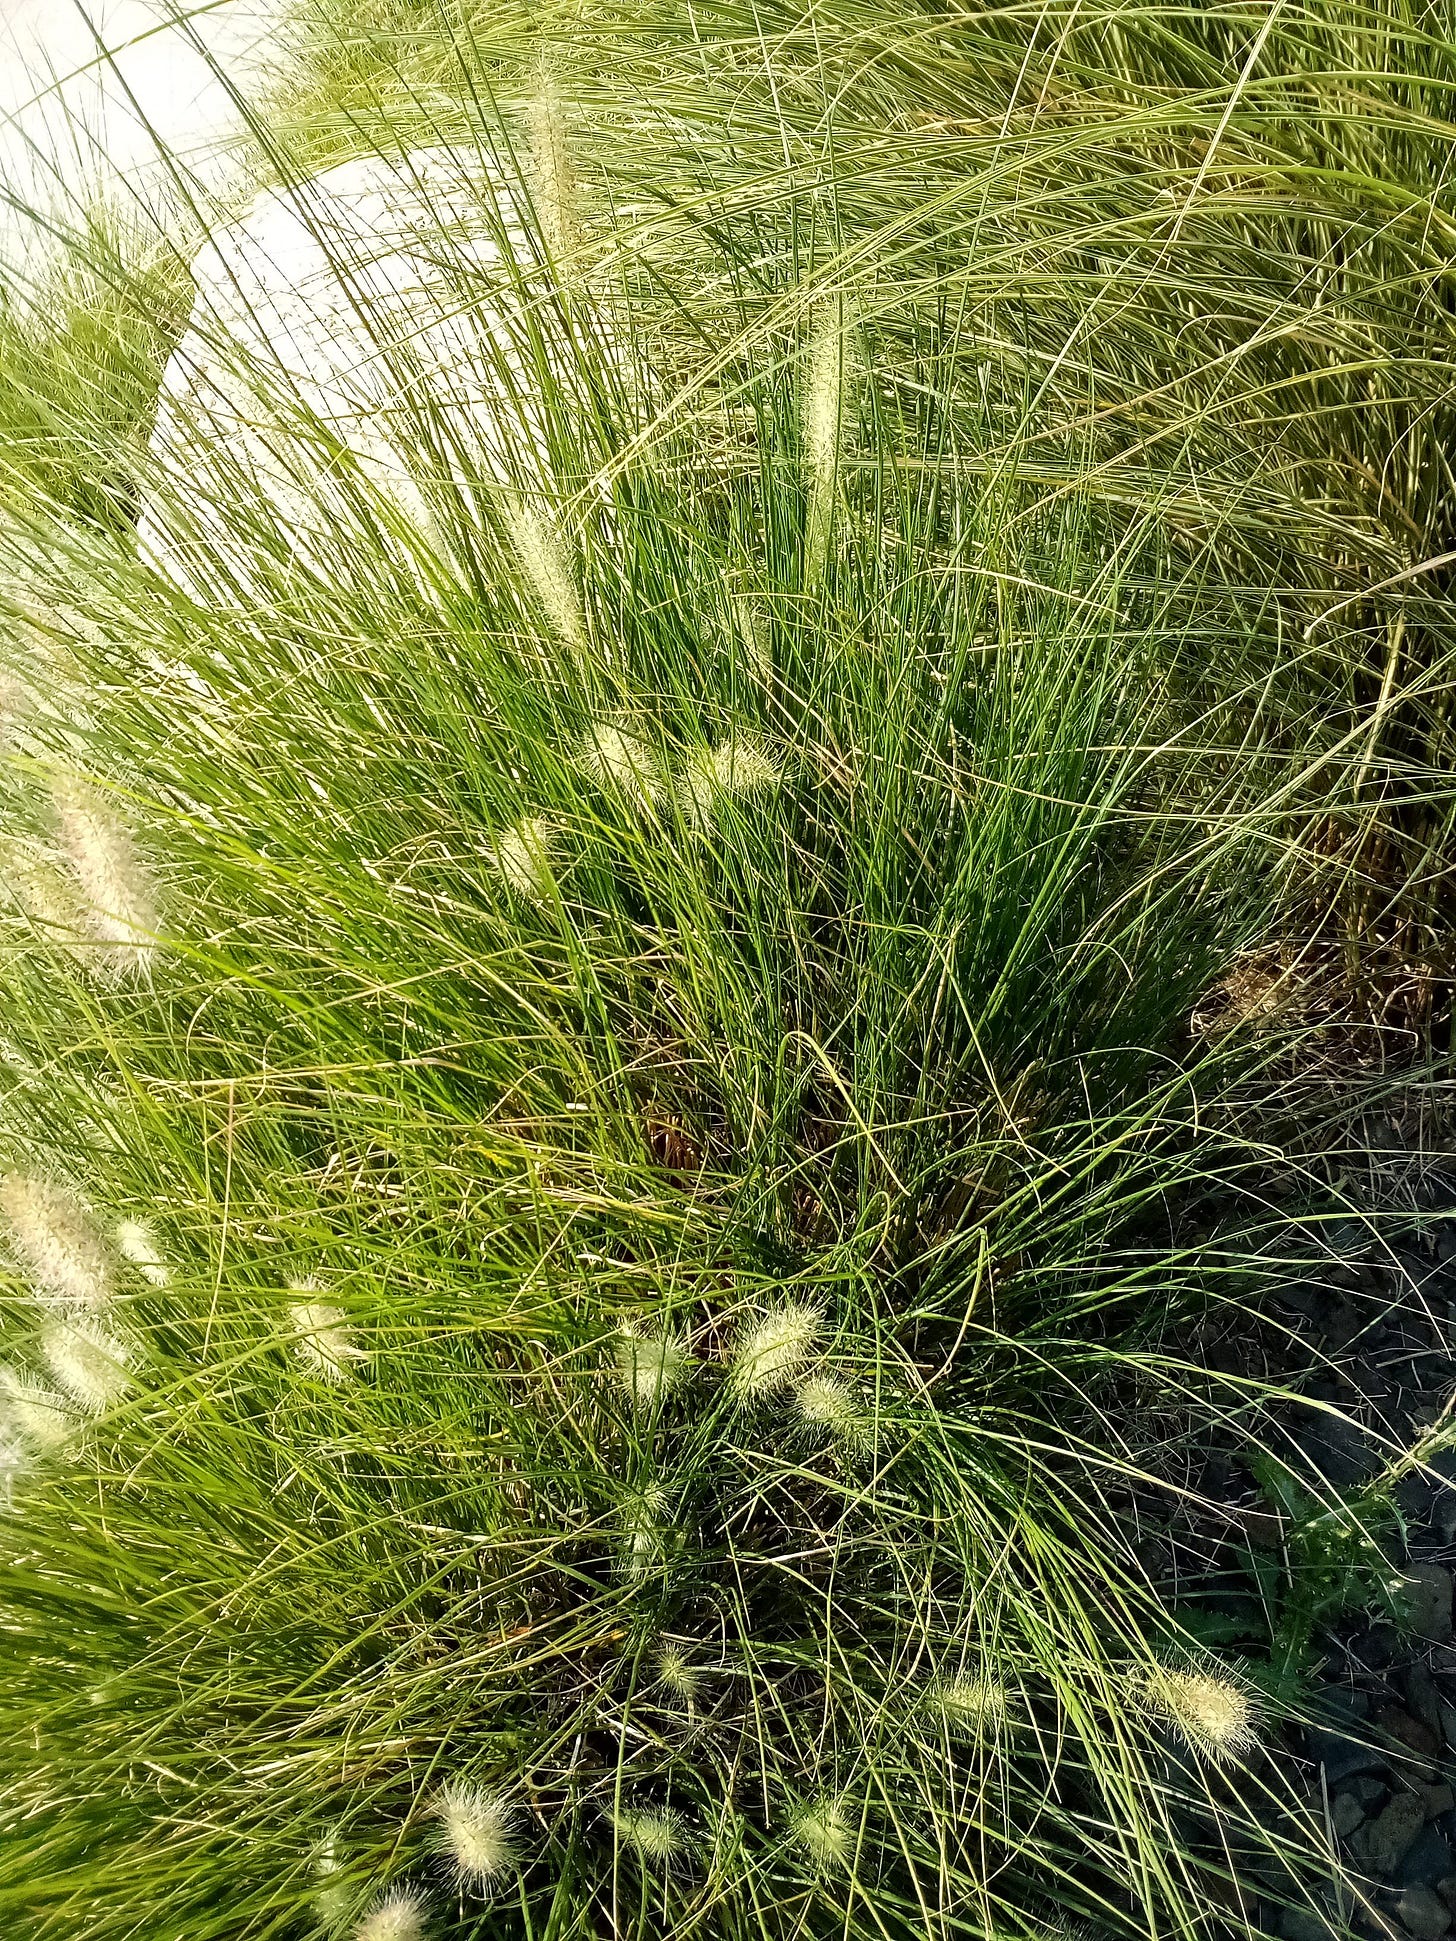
[638,991]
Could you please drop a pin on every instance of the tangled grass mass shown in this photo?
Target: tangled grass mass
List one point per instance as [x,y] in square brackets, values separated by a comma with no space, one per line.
[727,813]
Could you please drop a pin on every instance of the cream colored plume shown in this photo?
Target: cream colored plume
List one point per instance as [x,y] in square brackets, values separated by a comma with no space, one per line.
[546,562]
[398,1916]
[119,903]
[553,177]
[475,1831]
[622,762]
[1212,1713]
[58,1239]
[89,1362]
[651,1835]
[37,1414]
[776,1350]
[739,767]
[649,1366]
[824,1832]
[322,1337]
[138,1245]
[521,858]
[825,411]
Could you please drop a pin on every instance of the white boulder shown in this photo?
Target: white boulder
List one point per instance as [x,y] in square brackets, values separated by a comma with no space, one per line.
[364,358]
[133,104]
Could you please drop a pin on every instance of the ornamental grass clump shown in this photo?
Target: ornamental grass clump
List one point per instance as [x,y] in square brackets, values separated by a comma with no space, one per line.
[643,1352]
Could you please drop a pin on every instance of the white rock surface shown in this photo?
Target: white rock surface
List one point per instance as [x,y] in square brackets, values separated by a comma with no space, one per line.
[358,358]
[103,101]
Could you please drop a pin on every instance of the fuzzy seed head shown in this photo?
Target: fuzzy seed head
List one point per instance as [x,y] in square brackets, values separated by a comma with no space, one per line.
[323,1338]
[139,1246]
[58,1240]
[975,1706]
[776,1350]
[49,903]
[35,1413]
[475,1825]
[823,1832]
[651,1836]
[121,904]
[829,384]
[521,858]
[649,1367]
[89,1363]
[678,1673]
[334,1894]
[553,179]
[14,1462]
[825,1403]
[1213,1715]
[828,392]
[750,627]
[398,1916]
[544,560]
[643,1525]
[623,763]
[738,767]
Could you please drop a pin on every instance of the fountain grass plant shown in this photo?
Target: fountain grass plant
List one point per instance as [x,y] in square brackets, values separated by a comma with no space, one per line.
[605,1150]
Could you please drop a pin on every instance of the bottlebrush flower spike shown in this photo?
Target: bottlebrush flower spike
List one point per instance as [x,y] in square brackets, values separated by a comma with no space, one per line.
[974,1705]
[398,1916]
[1213,1715]
[14,1462]
[541,550]
[139,1246]
[622,762]
[648,1366]
[824,1833]
[58,1239]
[475,1832]
[678,1672]
[334,1895]
[651,1836]
[37,1414]
[120,901]
[521,857]
[645,1528]
[322,1335]
[89,1362]
[828,397]
[553,179]
[740,766]
[776,1350]
[825,1403]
